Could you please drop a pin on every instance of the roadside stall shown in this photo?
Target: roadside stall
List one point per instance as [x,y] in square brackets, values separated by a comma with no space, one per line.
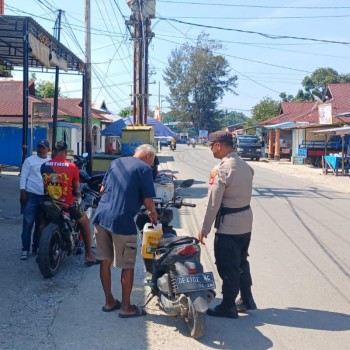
[337,163]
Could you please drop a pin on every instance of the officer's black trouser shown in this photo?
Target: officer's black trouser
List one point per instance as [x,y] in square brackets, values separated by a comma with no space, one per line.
[231,258]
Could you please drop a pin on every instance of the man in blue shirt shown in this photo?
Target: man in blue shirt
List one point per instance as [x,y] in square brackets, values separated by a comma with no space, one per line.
[127,185]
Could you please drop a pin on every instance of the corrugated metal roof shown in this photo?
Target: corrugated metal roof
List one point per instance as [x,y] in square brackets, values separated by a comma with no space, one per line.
[12,48]
[11,105]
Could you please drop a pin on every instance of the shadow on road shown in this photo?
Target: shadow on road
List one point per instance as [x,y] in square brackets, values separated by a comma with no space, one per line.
[243,333]
[312,192]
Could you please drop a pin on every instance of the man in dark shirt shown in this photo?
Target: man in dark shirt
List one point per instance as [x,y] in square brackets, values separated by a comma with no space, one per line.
[127,185]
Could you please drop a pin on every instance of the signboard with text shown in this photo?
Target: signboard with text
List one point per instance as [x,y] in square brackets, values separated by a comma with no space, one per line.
[203,135]
[41,110]
[325,113]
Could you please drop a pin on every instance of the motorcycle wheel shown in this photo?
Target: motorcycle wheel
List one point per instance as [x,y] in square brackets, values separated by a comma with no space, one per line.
[195,321]
[50,252]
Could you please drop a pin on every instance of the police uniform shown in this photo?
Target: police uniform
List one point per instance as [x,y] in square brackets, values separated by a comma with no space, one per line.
[230,190]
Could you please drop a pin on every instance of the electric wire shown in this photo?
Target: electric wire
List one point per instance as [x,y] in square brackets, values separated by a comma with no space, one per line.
[256,6]
[270,36]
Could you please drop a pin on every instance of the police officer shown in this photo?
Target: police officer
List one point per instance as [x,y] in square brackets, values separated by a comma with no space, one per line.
[230,191]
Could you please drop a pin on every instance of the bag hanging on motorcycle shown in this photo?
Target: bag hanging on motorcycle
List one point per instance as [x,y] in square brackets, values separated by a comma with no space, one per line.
[151,236]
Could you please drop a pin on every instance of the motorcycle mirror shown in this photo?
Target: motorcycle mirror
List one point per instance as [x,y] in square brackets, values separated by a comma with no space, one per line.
[187,183]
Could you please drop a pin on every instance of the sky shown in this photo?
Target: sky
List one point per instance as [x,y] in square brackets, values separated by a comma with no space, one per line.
[267,44]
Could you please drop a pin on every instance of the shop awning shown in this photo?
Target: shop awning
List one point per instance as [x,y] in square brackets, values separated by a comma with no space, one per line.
[344,130]
[285,125]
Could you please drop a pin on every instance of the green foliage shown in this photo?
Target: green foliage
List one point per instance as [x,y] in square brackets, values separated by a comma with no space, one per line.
[168,117]
[126,112]
[286,98]
[197,79]
[315,84]
[232,118]
[318,80]
[5,72]
[46,89]
[264,110]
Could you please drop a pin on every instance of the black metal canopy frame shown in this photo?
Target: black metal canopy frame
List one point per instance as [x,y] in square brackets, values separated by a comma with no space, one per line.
[24,43]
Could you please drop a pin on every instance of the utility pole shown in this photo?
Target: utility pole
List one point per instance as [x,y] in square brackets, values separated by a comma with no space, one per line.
[139,65]
[57,76]
[142,12]
[87,77]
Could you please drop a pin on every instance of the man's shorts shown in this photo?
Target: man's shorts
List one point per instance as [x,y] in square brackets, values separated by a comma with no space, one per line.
[122,249]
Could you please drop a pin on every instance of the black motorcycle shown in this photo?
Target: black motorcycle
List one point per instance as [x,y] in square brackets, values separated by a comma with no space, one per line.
[81,161]
[62,235]
[178,280]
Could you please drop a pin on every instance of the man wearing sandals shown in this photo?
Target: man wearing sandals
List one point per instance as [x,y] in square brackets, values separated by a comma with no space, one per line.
[61,182]
[127,185]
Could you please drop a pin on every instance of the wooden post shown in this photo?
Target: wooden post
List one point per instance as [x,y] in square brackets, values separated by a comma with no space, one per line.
[270,151]
[277,145]
[87,97]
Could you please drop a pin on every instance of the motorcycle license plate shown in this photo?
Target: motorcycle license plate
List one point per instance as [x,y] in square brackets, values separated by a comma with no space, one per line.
[199,281]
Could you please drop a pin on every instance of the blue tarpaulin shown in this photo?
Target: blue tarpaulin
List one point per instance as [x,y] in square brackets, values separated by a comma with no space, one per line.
[115,129]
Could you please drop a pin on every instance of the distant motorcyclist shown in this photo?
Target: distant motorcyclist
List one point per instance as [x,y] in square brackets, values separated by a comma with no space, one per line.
[173,144]
[193,142]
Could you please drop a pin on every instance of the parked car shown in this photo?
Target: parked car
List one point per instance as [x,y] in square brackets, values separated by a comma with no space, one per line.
[249,146]
[164,140]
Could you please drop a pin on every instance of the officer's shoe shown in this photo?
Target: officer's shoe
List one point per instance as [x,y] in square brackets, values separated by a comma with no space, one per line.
[223,311]
[248,304]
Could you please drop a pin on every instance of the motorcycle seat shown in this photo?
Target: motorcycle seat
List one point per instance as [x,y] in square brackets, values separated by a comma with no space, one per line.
[175,240]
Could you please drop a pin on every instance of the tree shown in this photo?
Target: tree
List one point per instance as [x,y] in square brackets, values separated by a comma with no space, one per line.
[264,110]
[315,84]
[286,98]
[318,80]
[197,78]
[232,118]
[126,112]
[46,89]
[4,72]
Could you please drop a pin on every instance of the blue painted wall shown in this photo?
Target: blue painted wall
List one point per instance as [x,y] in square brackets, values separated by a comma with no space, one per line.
[11,143]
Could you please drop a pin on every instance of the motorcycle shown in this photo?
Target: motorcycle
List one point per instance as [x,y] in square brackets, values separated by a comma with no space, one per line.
[172,147]
[81,161]
[193,144]
[178,280]
[94,181]
[62,235]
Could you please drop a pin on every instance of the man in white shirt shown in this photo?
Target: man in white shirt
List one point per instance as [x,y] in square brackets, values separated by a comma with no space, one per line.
[31,194]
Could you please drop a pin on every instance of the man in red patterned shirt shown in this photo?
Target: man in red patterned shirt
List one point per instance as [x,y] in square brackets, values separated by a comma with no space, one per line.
[61,182]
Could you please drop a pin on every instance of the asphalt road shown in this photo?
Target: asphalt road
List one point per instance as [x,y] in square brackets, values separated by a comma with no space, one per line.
[299,259]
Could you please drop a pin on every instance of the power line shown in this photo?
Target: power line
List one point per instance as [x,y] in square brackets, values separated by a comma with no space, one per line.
[262,18]
[270,36]
[254,81]
[256,6]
